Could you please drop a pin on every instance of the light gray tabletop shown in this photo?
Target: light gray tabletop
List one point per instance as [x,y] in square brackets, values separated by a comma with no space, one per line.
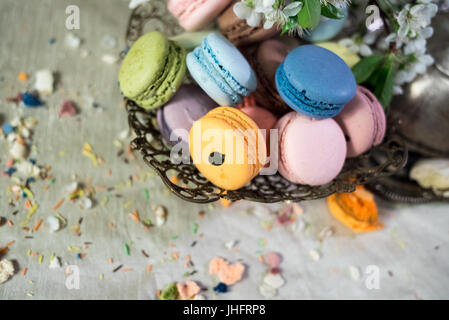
[411,254]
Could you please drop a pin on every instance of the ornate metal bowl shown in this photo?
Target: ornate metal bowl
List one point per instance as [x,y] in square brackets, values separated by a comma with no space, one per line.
[191,186]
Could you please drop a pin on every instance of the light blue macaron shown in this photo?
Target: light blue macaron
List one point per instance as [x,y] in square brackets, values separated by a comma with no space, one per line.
[315,82]
[326,29]
[221,70]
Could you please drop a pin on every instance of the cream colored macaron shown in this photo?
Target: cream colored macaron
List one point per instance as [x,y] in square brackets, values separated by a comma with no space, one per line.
[347,55]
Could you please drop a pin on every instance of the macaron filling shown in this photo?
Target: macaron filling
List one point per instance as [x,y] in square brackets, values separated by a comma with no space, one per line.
[198,53]
[296,97]
[174,69]
[225,74]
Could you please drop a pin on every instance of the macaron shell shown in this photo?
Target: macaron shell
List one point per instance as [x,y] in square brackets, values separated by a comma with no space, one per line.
[161,91]
[143,64]
[262,117]
[362,122]
[191,40]
[211,85]
[266,94]
[270,55]
[197,13]
[230,59]
[189,104]
[380,121]
[344,53]
[231,175]
[310,68]
[239,32]
[311,151]
[326,29]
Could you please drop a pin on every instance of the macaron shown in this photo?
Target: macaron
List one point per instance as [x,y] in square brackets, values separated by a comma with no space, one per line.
[315,82]
[191,40]
[227,147]
[311,151]
[264,119]
[221,70]
[152,70]
[363,122]
[326,29]
[196,14]
[239,32]
[176,118]
[343,52]
[356,210]
[265,59]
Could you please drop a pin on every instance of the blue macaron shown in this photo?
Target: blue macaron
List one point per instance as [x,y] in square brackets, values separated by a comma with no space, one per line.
[326,29]
[221,70]
[315,82]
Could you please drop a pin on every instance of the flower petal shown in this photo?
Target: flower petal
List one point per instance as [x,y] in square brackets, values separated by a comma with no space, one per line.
[242,11]
[292,9]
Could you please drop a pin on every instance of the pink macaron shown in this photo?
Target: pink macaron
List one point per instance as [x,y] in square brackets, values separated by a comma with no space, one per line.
[363,122]
[311,151]
[262,117]
[196,14]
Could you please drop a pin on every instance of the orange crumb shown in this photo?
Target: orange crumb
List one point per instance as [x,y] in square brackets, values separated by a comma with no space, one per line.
[149,268]
[111,261]
[24,271]
[174,179]
[135,216]
[10,243]
[37,226]
[23,76]
[225,202]
[10,223]
[28,204]
[127,269]
[175,255]
[60,202]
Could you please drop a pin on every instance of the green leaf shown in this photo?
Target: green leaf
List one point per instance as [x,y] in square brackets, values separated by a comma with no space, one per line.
[290,24]
[332,12]
[364,68]
[310,14]
[385,82]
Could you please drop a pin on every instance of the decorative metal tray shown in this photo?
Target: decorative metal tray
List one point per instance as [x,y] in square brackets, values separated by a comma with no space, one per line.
[191,186]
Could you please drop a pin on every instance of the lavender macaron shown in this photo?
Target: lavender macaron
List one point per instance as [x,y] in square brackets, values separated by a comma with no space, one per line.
[176,118]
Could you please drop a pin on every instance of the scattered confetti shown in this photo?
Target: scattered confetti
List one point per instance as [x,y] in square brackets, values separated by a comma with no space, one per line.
[354,272]
[315,255]
[68,109]
[227,273]
[221,288]
[170,292]
[187,290]
[6,270]
[44,81]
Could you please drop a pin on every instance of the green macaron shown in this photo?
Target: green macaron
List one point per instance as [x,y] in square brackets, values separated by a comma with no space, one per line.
[153,70]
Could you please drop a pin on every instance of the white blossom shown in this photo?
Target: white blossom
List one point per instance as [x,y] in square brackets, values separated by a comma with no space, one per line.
[280,16]
[413,20]
[356,46]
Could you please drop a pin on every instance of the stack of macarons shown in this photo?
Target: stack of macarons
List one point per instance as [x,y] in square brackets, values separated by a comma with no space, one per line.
[249,81]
